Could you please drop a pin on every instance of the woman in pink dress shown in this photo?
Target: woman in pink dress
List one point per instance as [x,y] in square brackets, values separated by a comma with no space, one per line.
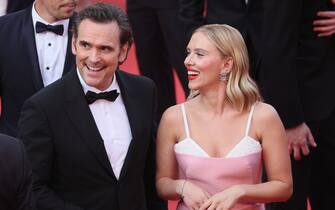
[211,149]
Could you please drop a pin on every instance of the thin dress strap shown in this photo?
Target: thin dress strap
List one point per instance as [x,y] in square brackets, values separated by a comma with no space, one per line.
[185,121]
[249,120]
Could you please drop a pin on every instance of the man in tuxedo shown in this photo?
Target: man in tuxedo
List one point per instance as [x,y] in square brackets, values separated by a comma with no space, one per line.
[35,51]
[306,35]
[160,48]
[15,176]
[90,135]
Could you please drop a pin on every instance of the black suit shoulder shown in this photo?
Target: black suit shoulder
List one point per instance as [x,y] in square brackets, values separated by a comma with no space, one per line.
[138,79]
[16,5]
[10,148]
[15,175]
[49,96]
[11,27]
[11,159]
[10,21]
[138,87]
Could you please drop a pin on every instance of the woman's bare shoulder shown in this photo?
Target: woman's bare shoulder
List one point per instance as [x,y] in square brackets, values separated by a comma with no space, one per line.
[172,122]
[264,111]
[172,115]
[265,115]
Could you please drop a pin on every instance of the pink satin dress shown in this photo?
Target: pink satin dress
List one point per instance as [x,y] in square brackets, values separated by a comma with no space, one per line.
[242,165]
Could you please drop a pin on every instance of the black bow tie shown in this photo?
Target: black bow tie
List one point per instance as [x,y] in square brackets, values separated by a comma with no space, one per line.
[92,96]
[57,29]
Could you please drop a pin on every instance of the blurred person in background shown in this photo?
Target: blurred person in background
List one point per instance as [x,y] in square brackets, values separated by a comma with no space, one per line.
[35,51]
[160,47]
[309,27]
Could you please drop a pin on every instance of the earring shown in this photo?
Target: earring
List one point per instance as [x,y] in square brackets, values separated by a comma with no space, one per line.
[223,76]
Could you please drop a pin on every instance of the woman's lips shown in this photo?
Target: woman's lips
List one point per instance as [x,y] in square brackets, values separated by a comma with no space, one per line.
[192,74]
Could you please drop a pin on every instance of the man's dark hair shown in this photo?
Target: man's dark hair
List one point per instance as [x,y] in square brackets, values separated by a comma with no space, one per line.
[105,13]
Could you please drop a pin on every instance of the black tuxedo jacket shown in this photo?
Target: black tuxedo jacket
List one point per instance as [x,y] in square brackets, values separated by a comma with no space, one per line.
[69,161]
[15,176]
[315,64]
[16,5]
[297,65]
[20,75]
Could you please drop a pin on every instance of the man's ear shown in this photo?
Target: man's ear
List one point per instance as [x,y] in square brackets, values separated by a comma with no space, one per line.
[123,53]
[73,45]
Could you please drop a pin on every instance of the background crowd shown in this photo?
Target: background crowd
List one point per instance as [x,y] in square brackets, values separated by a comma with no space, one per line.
[291,47]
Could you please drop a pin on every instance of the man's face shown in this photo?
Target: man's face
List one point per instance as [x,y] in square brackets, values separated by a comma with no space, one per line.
[98,52]
[54,10]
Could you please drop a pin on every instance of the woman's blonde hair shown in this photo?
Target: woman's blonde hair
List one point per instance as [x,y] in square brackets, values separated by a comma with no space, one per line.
[242,92]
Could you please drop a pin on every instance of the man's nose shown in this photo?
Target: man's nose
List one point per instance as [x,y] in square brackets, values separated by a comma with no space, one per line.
[94,56]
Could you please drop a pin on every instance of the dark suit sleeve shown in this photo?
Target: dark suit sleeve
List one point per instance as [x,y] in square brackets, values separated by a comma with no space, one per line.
[277,78]
[191,13]
[16,5]
[25,195]
[37,138]
[153,201]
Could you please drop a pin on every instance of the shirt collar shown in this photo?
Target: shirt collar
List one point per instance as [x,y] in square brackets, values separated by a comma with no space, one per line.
[36,17]
[113,86]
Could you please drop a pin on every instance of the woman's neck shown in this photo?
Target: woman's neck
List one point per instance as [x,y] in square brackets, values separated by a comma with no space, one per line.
[215,101]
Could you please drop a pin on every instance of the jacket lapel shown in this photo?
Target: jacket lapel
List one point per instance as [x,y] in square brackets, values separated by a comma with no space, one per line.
[131,102]
[29,41]
[69,59]
[82,118]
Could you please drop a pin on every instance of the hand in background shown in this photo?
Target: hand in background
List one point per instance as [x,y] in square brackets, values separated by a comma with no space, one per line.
[299,138]
[326,25]
[194,196]
[224,200]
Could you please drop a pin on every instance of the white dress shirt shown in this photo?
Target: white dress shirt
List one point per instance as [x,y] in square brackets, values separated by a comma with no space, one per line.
[112,121]
[3,7]
[51,49]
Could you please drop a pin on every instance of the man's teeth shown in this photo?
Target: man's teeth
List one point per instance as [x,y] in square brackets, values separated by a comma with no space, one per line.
[94,68]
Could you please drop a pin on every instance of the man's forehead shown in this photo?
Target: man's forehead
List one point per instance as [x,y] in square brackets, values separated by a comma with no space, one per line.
[89,26]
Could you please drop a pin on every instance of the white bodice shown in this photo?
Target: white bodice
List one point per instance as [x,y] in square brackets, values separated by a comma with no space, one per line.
[247,145]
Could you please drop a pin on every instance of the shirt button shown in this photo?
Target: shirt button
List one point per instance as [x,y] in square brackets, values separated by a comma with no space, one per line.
[49,44]
[47,68]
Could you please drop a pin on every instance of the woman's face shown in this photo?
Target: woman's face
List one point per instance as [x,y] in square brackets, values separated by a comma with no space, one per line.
[203,62]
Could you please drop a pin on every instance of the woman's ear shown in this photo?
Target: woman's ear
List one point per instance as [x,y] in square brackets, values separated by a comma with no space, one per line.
[227,65]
